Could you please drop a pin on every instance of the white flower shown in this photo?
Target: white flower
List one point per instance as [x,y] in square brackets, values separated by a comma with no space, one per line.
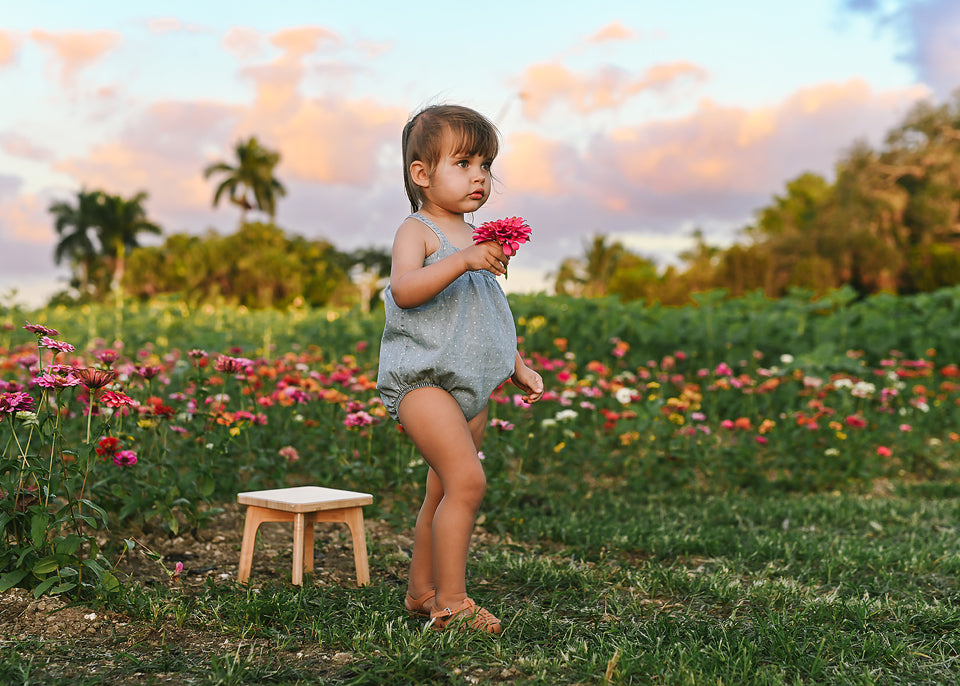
[624,395]
[547,423]
[843,383]
[786,358]
[863,389]
[564,415]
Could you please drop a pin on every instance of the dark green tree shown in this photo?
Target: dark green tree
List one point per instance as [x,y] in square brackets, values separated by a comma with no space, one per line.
[252,174]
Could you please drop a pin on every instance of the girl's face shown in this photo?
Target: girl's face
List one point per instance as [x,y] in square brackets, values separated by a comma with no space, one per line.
[460,183]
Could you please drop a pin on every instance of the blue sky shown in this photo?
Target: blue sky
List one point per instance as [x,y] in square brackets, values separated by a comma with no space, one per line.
[637,120]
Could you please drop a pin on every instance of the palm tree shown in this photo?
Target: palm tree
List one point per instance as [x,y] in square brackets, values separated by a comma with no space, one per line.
[100,229]
[120,221]
[73,225]
[253,173]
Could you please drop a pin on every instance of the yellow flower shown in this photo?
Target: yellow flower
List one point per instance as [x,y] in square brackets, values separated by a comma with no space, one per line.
[559,446]
[841,436]
[146,423]
[234,430]
[676,418]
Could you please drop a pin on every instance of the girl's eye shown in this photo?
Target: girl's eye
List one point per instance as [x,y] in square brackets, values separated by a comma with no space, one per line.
[486,166]
[463,163]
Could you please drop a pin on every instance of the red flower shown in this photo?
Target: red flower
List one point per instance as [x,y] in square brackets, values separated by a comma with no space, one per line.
[107,445]
[117,399]
[509,233]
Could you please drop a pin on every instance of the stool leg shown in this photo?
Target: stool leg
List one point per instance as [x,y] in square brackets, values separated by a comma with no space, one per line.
[353,517]
[298,536]
[250,525]
[308,542]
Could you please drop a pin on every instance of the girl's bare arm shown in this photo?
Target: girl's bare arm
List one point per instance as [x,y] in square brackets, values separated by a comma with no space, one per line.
[412,284]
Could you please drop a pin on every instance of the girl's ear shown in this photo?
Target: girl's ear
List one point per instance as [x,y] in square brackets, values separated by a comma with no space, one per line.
[418,172]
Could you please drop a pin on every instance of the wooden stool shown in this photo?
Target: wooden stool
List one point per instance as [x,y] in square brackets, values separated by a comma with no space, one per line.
[304,506]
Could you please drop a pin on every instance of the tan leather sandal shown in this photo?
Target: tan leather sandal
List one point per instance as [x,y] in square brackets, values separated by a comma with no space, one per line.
[466,614]
[421,606]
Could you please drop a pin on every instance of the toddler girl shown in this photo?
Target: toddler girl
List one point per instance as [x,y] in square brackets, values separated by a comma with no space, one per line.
[449,341]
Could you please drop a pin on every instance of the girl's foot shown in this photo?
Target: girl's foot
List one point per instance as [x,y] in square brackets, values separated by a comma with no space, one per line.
[466,612]
[420,606]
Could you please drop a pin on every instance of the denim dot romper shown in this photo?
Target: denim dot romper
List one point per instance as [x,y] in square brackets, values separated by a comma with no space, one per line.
[463,340]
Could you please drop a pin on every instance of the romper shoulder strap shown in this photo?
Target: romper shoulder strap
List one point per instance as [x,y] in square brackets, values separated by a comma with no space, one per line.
[436,229]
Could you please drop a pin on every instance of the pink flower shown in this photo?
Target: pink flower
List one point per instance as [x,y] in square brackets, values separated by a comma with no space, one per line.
[884,451]
[232,365]
[125,458]
[501,424]
[107,356]
[117,399]
[148,371]
[906,428]
[17,401]
[59,346]
[761,439]
[356,419]
[94,378]
[177,571]
[290,453]
[41,330]
[57,378]
[509,233]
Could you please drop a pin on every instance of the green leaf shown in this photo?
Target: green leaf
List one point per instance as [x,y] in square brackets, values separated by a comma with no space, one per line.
[11,579]
[46,565]
[68,545]
[38,529]
[44,586]
[206,486]
[63,588]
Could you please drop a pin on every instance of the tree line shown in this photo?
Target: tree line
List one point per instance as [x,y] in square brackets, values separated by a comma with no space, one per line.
[889,221]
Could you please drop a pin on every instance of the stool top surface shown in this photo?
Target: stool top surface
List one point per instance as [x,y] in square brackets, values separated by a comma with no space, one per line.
[304,499]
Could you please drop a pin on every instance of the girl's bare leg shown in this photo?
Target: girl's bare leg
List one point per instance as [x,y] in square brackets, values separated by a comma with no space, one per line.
[455,488]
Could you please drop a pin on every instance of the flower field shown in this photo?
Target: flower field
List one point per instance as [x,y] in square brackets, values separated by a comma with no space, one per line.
[146,430]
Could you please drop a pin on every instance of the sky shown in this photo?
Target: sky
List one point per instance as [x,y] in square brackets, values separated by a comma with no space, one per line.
[640,121]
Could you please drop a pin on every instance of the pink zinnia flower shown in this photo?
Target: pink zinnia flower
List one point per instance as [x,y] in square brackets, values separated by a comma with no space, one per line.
[232,365]
[290,453]
[177,571]
[59,346]
[501,424]
[41,330]
[355,419]
[57,379]
[117,399]
[125,458]
[884,451]
[148,371]
[17,401]
[509,233]
[107,356]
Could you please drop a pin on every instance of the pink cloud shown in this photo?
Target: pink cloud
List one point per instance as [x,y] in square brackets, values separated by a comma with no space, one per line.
[244,43]
[24,219]
[544,85]
[18,145]
[304,40]
[76,50]
[162,25]
[8,48]
[614,31]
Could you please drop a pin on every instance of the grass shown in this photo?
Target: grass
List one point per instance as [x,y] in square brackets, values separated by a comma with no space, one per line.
[675,589]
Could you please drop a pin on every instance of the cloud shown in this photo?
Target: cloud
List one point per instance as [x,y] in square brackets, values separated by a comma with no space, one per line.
[76,50]
[162,25]
[934,28]
[713,168]
[305,40]
[615,31]
[17,145]
[545,85]
[931,31]
[8,48]
[242,42]
[162,152]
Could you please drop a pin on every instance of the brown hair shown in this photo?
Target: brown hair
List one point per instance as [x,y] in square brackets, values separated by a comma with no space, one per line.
[423,138]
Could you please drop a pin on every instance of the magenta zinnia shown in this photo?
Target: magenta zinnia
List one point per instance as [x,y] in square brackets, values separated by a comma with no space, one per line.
[509,233]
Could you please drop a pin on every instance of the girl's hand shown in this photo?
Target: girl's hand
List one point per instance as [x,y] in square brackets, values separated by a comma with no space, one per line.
[488,256]
[529,382]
